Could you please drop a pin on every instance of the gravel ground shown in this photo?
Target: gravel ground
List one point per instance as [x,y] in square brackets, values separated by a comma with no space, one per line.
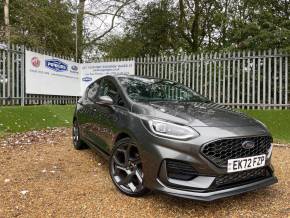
[41,175]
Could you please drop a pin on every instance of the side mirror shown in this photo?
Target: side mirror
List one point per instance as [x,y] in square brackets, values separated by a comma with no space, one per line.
[106,100]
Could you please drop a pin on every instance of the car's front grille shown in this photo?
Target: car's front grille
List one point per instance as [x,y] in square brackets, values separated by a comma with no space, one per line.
[180,170]
[241,177]
[220,151]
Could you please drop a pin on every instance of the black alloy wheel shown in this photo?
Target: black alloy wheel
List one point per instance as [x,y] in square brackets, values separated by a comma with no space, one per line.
[126,168]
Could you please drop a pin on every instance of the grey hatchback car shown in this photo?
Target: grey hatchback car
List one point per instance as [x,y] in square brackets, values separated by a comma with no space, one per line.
[162,136]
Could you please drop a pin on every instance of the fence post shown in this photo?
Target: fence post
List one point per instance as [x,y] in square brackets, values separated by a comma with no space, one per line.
[269,77]
[239,79]
[22,74]
[4,59]
[8,93]
[13,74]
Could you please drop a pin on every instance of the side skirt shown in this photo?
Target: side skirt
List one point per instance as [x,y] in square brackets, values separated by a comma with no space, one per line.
[97,149]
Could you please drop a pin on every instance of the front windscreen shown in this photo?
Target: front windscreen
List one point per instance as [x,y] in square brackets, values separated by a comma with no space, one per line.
[146,89]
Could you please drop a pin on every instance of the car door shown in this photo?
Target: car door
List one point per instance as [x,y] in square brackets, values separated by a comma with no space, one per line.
[107,117]
[86,114]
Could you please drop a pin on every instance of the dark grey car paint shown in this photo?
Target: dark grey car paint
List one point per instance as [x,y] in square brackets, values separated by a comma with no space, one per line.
[195,114]
[101,125]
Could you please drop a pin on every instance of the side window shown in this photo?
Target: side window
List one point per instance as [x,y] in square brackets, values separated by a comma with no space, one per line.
[93,91]
[107,88]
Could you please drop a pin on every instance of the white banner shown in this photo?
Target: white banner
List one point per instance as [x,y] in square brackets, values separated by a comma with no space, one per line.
[93,71]
[47,75]
[51,76]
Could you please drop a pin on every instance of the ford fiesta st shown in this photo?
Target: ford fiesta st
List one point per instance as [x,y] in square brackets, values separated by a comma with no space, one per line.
[160,135]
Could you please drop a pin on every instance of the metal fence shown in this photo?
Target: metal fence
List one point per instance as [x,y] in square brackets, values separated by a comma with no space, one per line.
[12,80]
[245,79]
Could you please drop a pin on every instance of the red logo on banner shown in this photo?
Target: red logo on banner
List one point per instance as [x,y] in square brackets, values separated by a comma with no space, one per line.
[35,62]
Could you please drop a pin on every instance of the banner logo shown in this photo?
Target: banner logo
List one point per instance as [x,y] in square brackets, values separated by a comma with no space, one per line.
[87,79]
[56,65]
[35,62]
[74,68]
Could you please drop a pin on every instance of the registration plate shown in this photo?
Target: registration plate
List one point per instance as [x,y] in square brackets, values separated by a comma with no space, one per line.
[246,163]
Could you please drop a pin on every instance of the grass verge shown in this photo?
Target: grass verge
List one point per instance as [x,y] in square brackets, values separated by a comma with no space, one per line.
[278,122]
[21,119]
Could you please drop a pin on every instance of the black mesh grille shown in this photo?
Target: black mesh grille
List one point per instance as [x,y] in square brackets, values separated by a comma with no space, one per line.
[240,177]
[180,170]
[220,151]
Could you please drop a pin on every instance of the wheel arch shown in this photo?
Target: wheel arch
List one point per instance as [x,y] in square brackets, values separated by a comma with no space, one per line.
[122,135]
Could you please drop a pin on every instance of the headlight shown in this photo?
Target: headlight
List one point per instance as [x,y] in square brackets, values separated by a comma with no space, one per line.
[171,130]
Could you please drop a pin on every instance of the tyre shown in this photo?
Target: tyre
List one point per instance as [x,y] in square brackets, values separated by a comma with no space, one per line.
[126,168]
[77,142]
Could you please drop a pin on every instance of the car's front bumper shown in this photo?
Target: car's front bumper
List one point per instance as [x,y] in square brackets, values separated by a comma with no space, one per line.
[213,195]
[155,150]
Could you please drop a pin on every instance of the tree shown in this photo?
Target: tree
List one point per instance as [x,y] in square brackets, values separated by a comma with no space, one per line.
[263,24]
[80,29]
[126,28]
[206,25]
[151,30]
[120,47]
[155,27]
[101,17]
[44,24]
[2,24]
[6,20]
